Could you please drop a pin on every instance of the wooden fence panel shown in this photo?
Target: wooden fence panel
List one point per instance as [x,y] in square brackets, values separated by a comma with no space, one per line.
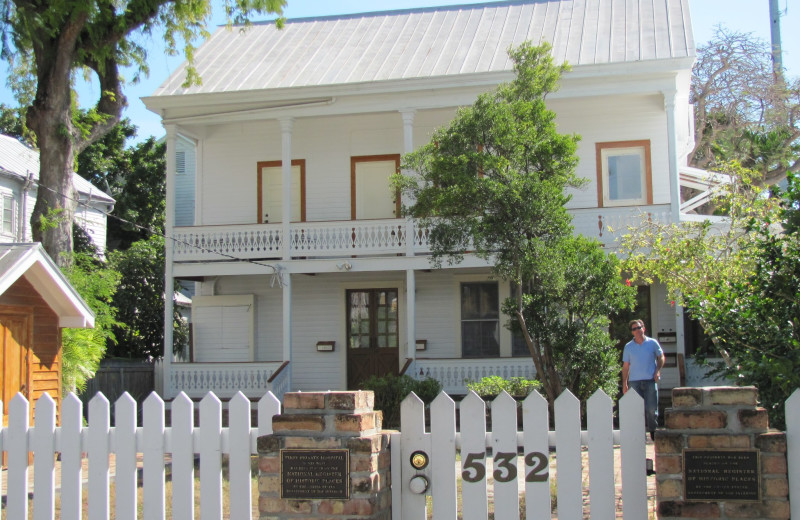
[474,500]
[210,447]
[632,448]
[43,444]
[536,424]
[600,426]
[183,458]
[71,455]
[504,456]
[126,478]
[99,449]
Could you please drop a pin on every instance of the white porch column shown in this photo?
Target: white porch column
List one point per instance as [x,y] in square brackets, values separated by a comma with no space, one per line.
[286,280]
[408,146]
[169,280]
[411,314]
[286,173]
[675,195]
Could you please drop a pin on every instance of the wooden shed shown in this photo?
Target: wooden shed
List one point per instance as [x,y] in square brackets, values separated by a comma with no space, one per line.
[36,302]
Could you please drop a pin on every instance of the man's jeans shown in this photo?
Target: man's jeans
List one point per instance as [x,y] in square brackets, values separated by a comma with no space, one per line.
[648,390]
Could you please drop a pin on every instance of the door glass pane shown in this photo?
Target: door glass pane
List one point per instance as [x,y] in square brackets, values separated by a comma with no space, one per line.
[359,319]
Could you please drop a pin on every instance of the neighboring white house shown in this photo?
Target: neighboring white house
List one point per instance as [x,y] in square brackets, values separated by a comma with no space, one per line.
[19,176]
[306,276]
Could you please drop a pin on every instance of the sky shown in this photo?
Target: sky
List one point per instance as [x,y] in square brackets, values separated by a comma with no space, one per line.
[748,16]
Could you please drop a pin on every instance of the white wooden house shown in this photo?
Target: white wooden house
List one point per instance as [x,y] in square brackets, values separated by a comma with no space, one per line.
[19,176]
[306,276]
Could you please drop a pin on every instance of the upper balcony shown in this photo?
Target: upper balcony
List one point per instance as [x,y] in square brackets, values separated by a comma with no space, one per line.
[382,237]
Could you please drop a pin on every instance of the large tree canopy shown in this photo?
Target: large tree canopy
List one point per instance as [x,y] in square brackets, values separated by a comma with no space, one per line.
[55,41]
[743,111]
[494,182]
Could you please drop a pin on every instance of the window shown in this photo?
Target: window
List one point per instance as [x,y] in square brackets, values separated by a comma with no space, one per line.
[624,175]
[480,320]
[7,214]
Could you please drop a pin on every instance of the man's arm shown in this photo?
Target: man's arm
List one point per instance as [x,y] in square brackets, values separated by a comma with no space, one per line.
[659,365]
[626,368]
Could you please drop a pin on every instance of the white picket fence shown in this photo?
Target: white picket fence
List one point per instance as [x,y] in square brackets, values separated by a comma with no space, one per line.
[482,454]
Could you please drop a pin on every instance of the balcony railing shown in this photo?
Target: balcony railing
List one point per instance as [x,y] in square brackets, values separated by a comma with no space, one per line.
[225,379]
[454,373]
[364,237]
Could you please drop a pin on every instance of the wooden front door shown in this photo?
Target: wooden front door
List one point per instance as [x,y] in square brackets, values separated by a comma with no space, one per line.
[270,191]
[372,334]
[15,359]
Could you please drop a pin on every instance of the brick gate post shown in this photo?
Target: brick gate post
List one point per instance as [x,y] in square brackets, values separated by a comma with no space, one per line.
[326,458]
[718,458]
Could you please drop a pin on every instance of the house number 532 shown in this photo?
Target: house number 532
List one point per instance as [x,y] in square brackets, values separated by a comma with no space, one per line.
[474,469]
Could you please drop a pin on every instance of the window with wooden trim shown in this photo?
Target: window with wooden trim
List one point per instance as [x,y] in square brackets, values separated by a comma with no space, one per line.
[7,213]
[270,191]
[624,173]
[480,320]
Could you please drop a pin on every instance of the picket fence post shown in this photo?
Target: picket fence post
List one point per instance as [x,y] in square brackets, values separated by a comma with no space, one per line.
[568,456]
[153,431]
[98,449]
[17,448]
[632,452]
[71,454]
[210,463]
[443,448]
[43,444]
[474,502]
[125,412]
[182,457]
[241,496]
[536,425]
[504,456]
[600,426]
[792,411]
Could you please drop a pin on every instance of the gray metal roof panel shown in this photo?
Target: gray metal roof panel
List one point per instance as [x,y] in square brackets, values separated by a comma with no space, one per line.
[18,159]
[435,41]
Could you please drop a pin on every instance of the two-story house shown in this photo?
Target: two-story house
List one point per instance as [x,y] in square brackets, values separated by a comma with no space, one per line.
[19,176]
[307,277]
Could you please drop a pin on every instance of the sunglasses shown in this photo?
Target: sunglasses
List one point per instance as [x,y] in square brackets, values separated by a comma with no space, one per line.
[635,328]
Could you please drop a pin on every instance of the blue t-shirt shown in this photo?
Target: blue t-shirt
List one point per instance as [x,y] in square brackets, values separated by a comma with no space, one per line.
[642,359]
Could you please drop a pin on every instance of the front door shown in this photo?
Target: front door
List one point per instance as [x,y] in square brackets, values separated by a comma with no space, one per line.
[372,334]
[270,191]
[14,339]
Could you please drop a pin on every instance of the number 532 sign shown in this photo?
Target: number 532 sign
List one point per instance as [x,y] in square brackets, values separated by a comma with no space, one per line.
[474,468]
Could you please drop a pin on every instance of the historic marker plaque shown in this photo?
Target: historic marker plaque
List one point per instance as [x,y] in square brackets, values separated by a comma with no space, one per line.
[310,474]
[732,475]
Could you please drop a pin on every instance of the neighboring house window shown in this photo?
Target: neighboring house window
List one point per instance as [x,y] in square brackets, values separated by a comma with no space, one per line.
[7,213]
[624,175]
[480,320]
[180,162]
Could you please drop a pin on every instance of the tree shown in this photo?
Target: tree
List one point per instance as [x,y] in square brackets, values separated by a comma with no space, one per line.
[82,349]
[54,42]
[756,318]
[743,111]
[140,302]
[493,182]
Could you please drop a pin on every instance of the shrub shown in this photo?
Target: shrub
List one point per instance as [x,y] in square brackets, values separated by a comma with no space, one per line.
[491,386]
[390,390]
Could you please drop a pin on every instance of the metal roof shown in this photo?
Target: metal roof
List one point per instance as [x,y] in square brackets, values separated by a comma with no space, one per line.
[18,159]
[30,261]
[435,42]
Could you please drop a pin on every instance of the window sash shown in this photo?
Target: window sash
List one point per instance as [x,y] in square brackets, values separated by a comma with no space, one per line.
[624,176]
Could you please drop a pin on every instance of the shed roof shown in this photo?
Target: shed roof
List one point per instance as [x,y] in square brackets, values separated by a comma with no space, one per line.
[30,261]
[18,160]
[435,42]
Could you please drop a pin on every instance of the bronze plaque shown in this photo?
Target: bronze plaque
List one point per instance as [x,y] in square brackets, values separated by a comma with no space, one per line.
[716,475]
[310,474]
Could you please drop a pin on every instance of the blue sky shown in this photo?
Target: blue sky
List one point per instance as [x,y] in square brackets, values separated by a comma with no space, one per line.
[750,16]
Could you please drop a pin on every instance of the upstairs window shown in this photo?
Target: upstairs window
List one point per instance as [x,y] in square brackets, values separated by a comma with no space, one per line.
[7,214]
[624,175]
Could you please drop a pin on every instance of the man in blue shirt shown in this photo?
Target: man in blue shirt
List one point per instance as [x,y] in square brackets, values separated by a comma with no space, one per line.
[642,361]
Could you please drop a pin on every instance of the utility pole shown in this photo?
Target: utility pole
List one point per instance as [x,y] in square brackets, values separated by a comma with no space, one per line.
[775,31]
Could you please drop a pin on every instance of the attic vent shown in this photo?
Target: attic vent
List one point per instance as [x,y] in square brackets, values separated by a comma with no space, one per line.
[180,162]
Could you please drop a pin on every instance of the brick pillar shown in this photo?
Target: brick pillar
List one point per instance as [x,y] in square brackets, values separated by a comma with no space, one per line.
[328,421]
[718,421]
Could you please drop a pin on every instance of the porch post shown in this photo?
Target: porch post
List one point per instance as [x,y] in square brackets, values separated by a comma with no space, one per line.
[169,280]
[408,146]
[675,195]
[411,313]
[286,280]
[286,173]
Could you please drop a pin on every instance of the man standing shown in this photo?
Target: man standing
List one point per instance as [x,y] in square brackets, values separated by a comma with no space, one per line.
[642,360]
